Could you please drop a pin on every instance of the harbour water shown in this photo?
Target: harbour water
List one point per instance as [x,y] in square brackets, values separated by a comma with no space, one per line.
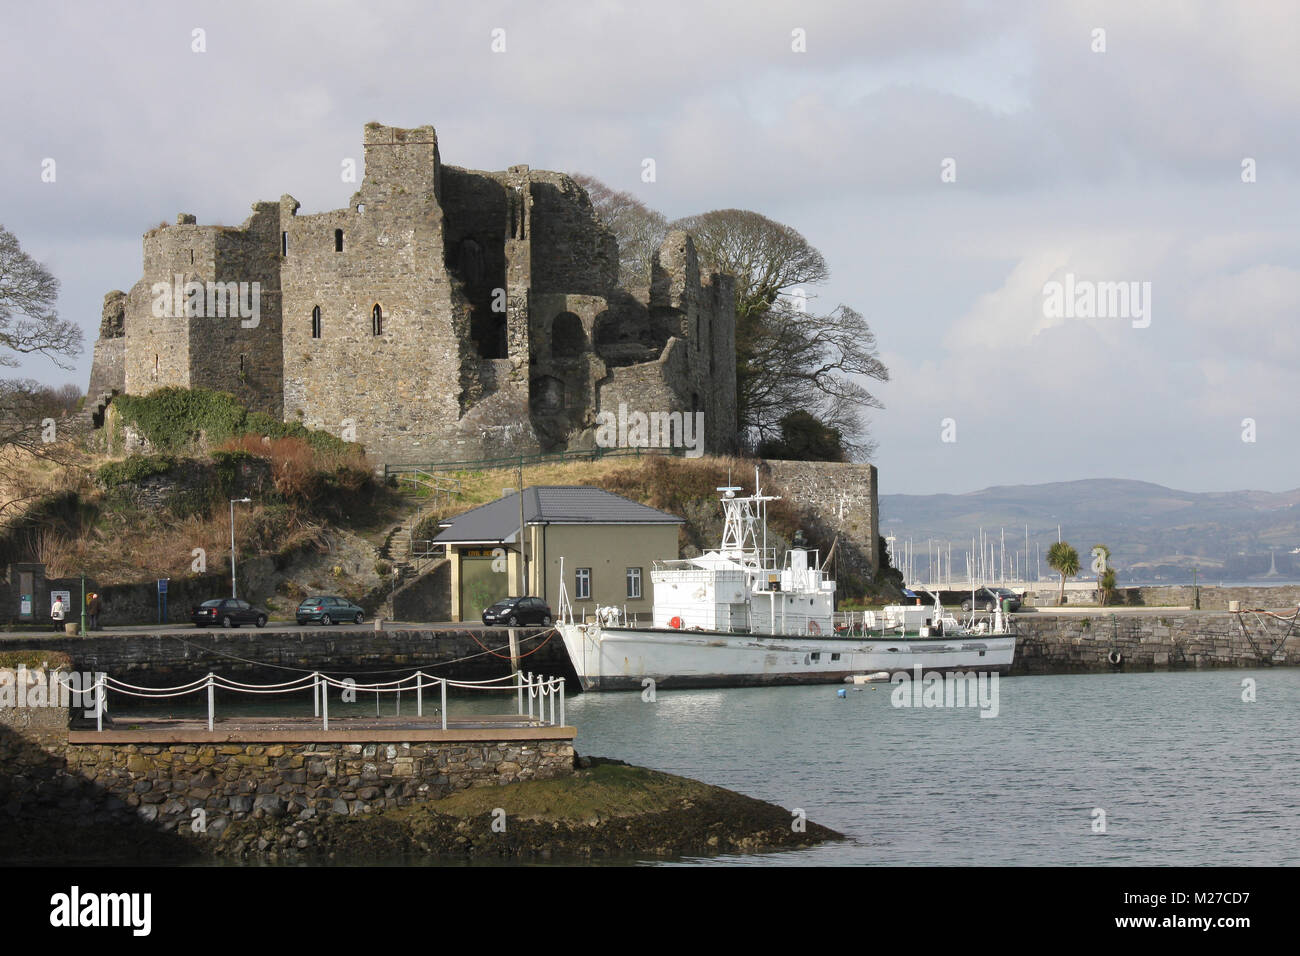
[1186,772]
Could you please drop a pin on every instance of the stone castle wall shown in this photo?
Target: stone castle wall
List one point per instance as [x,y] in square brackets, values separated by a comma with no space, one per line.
[500,331]
[845,497]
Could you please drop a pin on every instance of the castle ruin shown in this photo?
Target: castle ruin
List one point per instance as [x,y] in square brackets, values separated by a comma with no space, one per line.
[446,314]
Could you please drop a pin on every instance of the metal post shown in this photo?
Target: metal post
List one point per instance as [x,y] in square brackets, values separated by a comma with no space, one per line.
[210,701]
[99,702]
[325,705]
[232,548]
[83,604]
[419,693]
[242,501]
[561,701]
[552,702]
[444,703]
[530,695]
[315,694]
[519,692]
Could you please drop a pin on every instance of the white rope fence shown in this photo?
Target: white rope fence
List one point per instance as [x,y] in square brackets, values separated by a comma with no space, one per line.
[540,690]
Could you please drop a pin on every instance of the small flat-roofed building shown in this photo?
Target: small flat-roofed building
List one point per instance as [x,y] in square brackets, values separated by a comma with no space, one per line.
[608,544]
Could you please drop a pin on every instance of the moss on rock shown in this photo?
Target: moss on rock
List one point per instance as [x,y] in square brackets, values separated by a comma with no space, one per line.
[606,810]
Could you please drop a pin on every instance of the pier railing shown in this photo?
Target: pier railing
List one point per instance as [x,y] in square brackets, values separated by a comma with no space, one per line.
[533,694]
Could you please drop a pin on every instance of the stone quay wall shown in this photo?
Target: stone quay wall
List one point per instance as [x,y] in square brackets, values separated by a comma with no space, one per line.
[1076,643]
[261,655]
[1176,595]
[166,783]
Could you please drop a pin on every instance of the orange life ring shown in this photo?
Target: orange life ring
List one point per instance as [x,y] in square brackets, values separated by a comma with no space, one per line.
[814,627]
[675,622]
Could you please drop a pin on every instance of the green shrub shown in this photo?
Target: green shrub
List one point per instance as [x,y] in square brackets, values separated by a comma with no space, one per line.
[134,468]
[12,660]
[173,419]
[227,465]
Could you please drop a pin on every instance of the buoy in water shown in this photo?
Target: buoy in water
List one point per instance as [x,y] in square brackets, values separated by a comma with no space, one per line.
[841,693]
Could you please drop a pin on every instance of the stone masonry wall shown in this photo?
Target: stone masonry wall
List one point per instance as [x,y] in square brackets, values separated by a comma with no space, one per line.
[262,655]
[165,783]
[1209,598]
[845,497]
[1070,643]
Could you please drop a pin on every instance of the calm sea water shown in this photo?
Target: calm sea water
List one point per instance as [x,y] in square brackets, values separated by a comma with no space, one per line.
[1186,772]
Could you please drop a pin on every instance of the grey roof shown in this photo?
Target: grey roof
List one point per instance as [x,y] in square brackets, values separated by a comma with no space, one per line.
[498,521]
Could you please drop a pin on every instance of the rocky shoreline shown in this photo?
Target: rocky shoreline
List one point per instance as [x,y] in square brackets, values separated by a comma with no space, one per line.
[606,810]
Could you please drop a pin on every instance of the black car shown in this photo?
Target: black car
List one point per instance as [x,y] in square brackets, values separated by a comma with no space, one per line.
[329,609]
[517,611]
[986,599]
[228,612]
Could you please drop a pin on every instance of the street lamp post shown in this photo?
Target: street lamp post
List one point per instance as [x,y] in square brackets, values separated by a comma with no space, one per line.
[242,501]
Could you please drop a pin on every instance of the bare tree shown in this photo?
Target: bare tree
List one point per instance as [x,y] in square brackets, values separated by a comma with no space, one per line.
[28,322]
[788,357]
[29,412]
[640,230]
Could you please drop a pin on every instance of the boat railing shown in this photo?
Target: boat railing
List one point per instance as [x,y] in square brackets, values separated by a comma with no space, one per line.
[534,690]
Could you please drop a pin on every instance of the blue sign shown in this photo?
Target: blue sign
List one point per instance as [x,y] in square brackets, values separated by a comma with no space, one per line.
[162,585]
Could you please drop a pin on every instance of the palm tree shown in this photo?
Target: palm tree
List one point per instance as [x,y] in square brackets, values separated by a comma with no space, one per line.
[1064,560]
[1107,585]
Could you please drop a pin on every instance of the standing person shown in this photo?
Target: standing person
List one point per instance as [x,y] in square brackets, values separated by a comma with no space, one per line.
[92,610]
[57,613]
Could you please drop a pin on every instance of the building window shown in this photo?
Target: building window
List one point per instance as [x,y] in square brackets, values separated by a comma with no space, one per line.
[568,338]
[582,584]
[338,240]
[315,322]
[634,582]
[284,243]
[377,321]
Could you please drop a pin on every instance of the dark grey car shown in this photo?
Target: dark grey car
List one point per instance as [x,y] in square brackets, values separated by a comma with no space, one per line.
[329,609]
[986,599]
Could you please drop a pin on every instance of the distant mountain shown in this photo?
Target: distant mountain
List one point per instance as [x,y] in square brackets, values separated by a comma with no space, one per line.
[1150,529]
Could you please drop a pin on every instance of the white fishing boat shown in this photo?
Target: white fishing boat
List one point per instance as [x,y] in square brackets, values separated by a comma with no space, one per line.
[733,617]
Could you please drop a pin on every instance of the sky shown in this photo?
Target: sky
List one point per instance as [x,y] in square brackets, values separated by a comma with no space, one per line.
[951,160]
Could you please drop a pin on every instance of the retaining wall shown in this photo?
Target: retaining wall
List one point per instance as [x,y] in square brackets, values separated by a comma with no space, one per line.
[1071,643]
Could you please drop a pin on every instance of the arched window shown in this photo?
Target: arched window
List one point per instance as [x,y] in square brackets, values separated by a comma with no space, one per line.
[338,240]
[568,338]
[315,322]
[377,321]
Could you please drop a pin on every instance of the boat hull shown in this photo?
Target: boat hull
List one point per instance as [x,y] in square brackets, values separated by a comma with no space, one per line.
[620,658]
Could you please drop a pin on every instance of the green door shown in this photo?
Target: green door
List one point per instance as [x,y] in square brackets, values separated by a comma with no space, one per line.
[481,586]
